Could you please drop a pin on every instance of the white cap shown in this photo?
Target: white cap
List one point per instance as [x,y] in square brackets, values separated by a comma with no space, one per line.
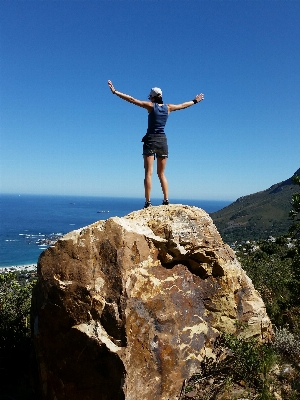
[155,92]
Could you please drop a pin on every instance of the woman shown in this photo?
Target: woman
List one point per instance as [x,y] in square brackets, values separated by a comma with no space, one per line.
[155,141]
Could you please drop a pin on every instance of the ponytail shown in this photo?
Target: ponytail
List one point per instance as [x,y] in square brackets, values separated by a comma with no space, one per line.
[158,99]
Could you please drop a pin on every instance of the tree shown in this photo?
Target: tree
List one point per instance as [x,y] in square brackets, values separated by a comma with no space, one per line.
[295,212]
[295,232]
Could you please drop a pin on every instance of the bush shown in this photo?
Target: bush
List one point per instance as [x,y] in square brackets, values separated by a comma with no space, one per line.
[15,302]
[287,344]
[251,361]
[15,340]
[239,363]
[270,268]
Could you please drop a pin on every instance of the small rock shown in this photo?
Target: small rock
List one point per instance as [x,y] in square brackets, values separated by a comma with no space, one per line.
[191,394]
[277,396]
[287,371]
[275,370]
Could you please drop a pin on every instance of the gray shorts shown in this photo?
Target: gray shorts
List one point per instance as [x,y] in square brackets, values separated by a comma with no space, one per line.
[155,144]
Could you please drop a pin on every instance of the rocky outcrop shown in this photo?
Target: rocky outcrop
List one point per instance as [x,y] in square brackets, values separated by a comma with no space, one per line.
[127,308]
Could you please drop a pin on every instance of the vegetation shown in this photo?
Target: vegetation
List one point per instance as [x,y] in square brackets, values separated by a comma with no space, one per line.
[271,266]
[241,369]
[274,267]
[259,215]
[15,340]
[295,212]
[247,369]
[295,232]
[287,344]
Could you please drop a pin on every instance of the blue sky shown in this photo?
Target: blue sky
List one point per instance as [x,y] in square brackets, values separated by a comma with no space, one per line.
[63,132]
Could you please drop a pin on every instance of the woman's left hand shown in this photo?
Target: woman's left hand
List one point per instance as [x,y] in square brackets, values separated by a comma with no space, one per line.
[111,86]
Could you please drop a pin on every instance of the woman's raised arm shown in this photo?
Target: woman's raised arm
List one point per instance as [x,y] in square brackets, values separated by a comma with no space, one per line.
[144,104]
[176,107]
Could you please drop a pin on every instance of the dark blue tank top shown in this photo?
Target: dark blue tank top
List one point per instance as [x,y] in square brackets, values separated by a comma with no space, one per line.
[157,119]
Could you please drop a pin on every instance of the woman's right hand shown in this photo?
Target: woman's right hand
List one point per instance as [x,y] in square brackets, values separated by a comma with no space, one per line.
[111,86]
[199,97]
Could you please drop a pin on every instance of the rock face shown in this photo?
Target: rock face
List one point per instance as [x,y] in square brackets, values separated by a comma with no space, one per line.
[127,308]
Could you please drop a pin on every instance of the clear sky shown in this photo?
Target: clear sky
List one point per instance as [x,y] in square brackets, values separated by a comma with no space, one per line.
[63,132]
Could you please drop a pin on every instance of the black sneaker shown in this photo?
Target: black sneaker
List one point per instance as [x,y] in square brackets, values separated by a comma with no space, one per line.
[165,202]
[147,204]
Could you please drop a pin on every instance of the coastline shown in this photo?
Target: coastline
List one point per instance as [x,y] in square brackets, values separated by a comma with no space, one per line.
[36,222]
[18,268]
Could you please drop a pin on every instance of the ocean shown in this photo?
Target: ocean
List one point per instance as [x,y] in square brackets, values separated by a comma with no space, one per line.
[30,223]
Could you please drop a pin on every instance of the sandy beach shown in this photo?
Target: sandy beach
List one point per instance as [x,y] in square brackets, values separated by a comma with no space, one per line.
[18,268]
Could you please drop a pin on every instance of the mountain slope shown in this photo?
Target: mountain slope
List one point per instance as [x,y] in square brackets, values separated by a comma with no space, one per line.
[258,215]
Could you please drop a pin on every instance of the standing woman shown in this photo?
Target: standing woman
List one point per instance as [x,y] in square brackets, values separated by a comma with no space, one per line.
[155,141]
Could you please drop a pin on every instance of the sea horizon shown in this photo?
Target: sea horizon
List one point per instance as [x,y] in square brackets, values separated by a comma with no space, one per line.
[19,194]
[32,222]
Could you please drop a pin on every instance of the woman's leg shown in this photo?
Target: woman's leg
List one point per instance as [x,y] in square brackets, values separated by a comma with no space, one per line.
[161,165]
[148,165]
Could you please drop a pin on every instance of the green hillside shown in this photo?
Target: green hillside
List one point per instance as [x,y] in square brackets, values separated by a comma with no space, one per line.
[258,215]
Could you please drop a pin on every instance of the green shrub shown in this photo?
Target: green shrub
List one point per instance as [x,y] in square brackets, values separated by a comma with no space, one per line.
[251,361]
[15,341]
[238,361]
[15,302]
[274,268]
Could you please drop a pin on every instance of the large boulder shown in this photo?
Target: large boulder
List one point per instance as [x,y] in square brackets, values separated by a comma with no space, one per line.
[128,307]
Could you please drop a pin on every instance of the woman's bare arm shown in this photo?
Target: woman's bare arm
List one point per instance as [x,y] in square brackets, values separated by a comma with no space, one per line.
[144,104]
[176,107]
